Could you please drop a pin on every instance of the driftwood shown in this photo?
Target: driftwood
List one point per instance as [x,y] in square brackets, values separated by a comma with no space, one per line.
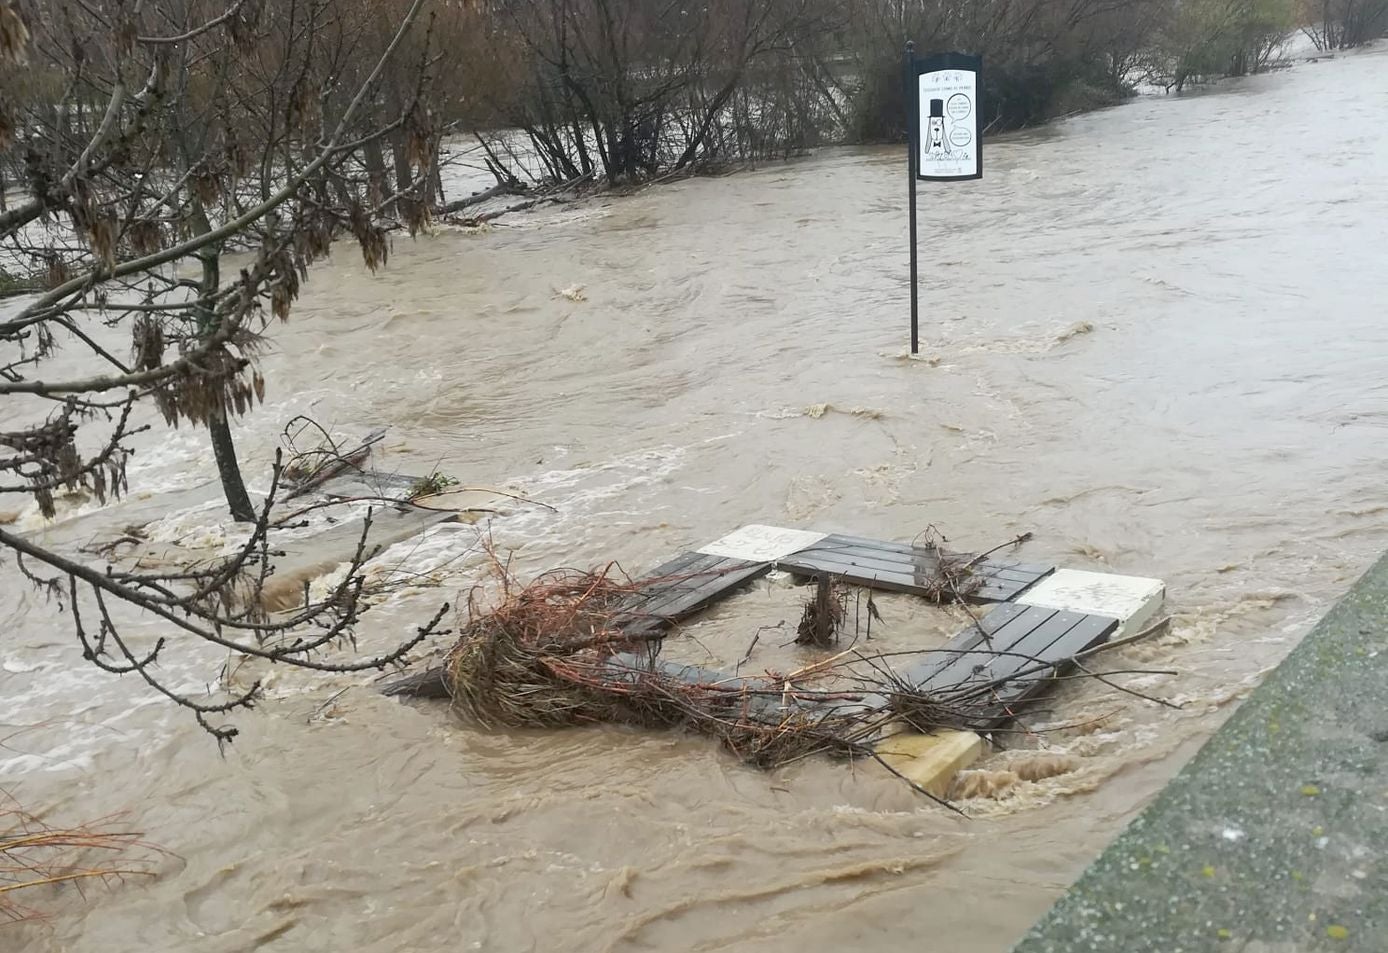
[430,683]
[501,188]
[556,193]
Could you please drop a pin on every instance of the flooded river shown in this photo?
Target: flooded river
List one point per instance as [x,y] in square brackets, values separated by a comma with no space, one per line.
[1154,336]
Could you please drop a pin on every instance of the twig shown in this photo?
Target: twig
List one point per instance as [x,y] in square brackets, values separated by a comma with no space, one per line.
[1130,691]
[335,696]
[1019,540]
[747,656]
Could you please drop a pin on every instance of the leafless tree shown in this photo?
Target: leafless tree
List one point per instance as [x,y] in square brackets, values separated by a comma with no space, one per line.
[1342,24]
[161,136]
[629,89]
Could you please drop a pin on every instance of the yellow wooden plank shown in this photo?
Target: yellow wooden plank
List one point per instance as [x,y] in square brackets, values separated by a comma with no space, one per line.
[931,761]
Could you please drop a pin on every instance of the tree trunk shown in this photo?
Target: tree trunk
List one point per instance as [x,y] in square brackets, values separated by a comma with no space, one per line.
[436,196]
[403,178]
[376,170]
[233,486]
[238,500]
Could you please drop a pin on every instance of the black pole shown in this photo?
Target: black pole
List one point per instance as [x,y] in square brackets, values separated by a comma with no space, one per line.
[912,118]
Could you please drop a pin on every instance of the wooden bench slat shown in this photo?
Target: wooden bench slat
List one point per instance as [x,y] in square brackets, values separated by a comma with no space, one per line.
[1025,652]
[684,586]
[1090,631]
[893,579]
[918,560]
[931,662]
[907,548]
[720,581]
[1013,631]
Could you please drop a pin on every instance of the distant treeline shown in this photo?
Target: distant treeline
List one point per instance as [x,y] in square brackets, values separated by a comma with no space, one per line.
[629,90]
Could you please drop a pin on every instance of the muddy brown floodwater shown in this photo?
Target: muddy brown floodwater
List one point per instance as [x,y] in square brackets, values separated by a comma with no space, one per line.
[1155,337]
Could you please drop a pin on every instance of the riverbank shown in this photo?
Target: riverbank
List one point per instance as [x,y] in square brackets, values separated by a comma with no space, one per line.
[1274,837]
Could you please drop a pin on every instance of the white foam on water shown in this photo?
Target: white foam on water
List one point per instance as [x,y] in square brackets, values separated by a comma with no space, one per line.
[580,494]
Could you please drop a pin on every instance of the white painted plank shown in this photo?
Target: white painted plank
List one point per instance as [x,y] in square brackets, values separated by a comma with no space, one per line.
[761,544]
[1132,600]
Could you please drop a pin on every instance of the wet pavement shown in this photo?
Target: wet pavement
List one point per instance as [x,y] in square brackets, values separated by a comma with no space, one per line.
[1274,838]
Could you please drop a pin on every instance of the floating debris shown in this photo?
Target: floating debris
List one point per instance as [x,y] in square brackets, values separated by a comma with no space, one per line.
[579,648]
[816,411]
[549,655]
[1074,330]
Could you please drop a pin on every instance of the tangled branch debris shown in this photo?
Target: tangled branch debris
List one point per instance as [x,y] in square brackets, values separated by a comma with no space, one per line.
[955,578]
[35,854]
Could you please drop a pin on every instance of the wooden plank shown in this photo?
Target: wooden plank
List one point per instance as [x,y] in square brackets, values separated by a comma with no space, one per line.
[688,673]
[672,579]
[1046,627]
[684,586]
[918,560]
[760,706]
[1041,644]
[962,670]
[871,559]
[674,567]
[814,565]
[695,576]
[994,589]
[865,547]
[721,583]
[667,581]
[893,579]
[902,567]
[1005,562]
[966,640]
[1090,631]
[1053,642]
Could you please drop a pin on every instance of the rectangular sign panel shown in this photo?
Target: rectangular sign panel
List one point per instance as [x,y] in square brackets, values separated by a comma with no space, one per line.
[949,143]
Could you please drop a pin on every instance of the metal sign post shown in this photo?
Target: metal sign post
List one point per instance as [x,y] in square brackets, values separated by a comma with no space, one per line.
[945,135]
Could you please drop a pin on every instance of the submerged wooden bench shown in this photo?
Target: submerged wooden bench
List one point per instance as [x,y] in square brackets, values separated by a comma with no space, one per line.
[692,582]
[1043,619]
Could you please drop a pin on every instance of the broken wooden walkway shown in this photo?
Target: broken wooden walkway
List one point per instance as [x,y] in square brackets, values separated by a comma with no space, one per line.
[1015,649]
[1040,621]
